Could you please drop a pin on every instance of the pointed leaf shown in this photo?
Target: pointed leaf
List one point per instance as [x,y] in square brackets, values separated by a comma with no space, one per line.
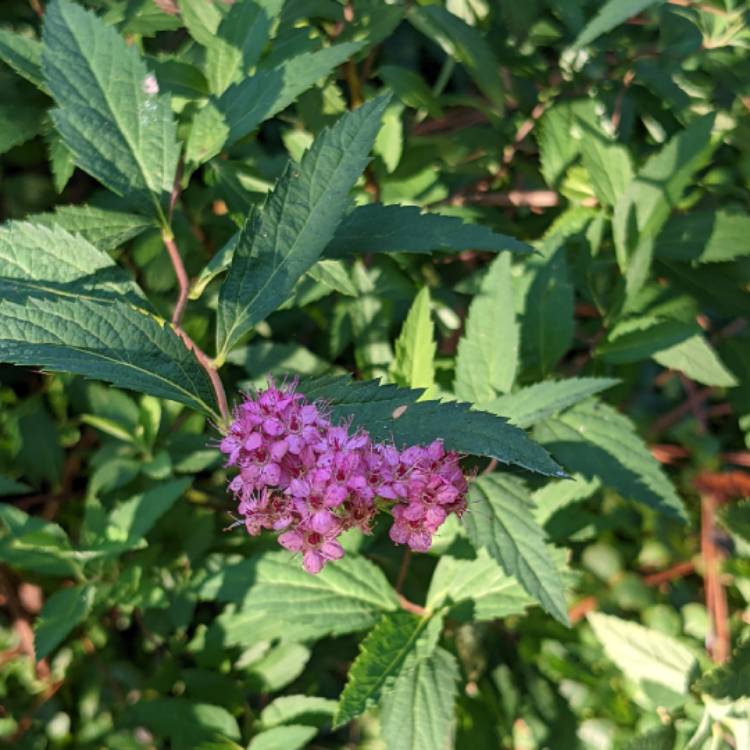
[119,129]
[292,737]
[705,237]
[487,357]
[24,55]
[730,681]
[698,360]
[283,240]
[392,413]
[611,14]
[61,613]
[500,519]
[414,364]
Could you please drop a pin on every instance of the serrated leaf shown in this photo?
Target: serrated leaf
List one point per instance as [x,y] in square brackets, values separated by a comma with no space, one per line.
[283,240]
[20,120]
[105,228]
[730,681]
[463,43]
[292,737]
[478,589]
[131,520]
[120,131]
[558,146]
[643,654]
[109,341]
[534,403]
[608,165]
[418,712]
[245,105]
[697,359]
[642,210]
[392,413]
[611,14]
[500,519]
[597,441]
[334,276]
[635,339]
[61,160]
[414,364]
[704,237]
[381,658]
[488,352]
[348,596]
[61,613]
[376,228]
[36,261]
[547,323]
[24,55]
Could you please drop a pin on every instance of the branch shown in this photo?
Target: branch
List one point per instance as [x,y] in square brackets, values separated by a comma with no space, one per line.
[182,278]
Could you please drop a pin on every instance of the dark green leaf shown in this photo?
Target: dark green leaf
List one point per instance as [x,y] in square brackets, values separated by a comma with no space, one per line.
[64,610]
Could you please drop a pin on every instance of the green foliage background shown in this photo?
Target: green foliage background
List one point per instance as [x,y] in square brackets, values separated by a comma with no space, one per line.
[520,227]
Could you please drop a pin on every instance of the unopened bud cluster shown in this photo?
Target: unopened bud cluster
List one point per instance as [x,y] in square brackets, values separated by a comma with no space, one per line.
[311,480]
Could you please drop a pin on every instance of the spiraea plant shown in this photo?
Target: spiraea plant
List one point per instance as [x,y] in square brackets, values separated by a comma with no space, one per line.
[375,374]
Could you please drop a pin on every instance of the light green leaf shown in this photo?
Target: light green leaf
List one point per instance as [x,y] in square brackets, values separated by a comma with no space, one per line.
[661,738]
[643,654]
[297,709]
[636,339]
[36,261]
[348,596]
[389,144]
[333,275]
[239,41]
[704,237]
[697,359]
[381,658]
[487,357]
[535,403]
[292,737]
[119,129]
[477,589]
[24,55]
[245,105]
[392,413]
[130,521]
[61,613]
[414,364]
[417,713]
[61,160]
[105,228]
[608,165]
[109,341]
[597,441]
[556,135]
[283,240]
[500,520]
[611,14]
[463,43]
[730,681]
[642,210]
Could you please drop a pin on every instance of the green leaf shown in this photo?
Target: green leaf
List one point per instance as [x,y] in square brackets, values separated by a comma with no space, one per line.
[487,357]
[704,237]
[9,486]
[381,658]
[20,121]
[130,521]
[414,364]
[642,210]
[105,228]
[730,681]
[61,160]
[36,261]
[736,520]
[376,228]
[463,43]
[547,324]
[239,41]
[611,14]
[500,520]
[120,131]
[392,413]
[476,589]
[64,610]
[698,360]
[417,713]
[333,275]
[535,403]
[608,165]
[661,738]
[636,339]
[643,654]
[389,144]
[292,737]
[297,709]
[283,240]
[109,341]
[348,596]
[24,55]
[245,105]
[185,723]
[558,146]
[597,441]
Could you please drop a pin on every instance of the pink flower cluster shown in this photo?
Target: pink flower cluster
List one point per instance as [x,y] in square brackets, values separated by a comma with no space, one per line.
[301,475]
